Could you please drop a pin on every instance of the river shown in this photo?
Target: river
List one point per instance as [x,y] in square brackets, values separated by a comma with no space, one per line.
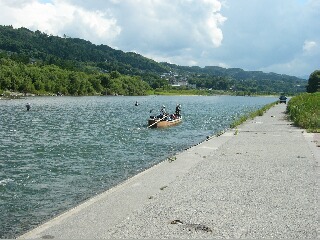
[68,149]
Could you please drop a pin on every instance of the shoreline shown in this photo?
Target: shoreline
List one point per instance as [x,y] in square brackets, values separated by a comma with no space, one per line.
[259,183]
[8,95]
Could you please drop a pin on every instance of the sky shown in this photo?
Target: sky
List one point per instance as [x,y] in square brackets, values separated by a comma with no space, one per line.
[281,36]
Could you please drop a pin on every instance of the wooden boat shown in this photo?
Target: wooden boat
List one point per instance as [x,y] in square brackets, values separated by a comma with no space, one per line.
[156,122]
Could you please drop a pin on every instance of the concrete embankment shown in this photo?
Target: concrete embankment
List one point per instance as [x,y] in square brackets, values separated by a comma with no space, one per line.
[259,181]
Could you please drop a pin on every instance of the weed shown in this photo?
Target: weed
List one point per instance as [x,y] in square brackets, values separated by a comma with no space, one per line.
[304,111]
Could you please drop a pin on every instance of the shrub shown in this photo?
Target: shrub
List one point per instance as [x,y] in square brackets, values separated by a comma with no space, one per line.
[304,111]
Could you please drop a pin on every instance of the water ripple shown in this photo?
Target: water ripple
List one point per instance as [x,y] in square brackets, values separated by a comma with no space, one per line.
[67,149]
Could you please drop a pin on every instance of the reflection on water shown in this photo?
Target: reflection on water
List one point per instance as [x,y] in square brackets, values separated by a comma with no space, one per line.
[67,149]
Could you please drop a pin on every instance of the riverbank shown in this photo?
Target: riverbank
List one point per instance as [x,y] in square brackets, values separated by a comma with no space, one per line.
[15,95]
[260,181]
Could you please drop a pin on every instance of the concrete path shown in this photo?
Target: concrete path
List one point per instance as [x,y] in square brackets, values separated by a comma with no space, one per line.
[259,181]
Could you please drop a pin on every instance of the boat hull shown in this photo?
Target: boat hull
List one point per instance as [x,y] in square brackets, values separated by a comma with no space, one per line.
[155,123]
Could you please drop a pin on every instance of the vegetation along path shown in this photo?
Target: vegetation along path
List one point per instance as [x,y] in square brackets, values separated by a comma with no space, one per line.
[259,181]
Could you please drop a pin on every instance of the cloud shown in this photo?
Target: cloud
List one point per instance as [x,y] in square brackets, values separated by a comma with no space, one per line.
[163,26]
[309,47]
[303,64]
[164,30]
[15,3]
[58,18]
[271,35]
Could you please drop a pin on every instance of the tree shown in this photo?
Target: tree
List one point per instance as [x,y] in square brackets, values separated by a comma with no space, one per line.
[114,74]
[314,82]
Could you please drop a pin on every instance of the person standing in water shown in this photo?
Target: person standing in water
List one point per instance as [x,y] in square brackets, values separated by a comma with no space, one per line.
[28,106]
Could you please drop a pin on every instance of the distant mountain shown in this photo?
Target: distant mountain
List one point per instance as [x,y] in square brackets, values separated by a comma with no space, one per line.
[235,73]
[81,55]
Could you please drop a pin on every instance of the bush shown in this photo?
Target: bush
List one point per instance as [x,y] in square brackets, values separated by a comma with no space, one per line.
[304,111]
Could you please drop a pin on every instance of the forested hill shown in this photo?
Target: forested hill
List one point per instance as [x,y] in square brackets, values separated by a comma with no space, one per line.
[73,54]
[69,52]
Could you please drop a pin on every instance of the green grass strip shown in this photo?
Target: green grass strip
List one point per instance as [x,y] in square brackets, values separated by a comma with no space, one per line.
[252,115]
[304,111]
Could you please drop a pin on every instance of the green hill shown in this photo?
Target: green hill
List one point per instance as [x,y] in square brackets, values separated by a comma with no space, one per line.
[67,51]
[76,55]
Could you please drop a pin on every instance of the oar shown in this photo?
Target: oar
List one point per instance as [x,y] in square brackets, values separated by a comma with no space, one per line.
[157,121]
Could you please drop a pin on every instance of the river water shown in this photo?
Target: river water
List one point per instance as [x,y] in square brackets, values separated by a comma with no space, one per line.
[68,149]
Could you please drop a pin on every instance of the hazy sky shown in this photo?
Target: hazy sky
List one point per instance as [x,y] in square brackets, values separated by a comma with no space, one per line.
[281,36]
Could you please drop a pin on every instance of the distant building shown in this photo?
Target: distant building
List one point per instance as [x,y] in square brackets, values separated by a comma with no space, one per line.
[175,80]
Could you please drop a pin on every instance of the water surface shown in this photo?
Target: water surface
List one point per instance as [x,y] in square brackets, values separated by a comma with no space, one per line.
[67,149]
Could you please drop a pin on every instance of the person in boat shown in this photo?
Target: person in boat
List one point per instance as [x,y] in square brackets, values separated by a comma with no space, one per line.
[28,106]
[163,112]
[178,110]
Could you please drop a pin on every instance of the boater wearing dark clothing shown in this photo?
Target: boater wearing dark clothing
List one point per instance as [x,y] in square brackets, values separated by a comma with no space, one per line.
[178,109]
[28,106]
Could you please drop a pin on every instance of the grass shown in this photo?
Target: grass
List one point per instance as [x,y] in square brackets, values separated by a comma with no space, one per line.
[252,115]
[304,111]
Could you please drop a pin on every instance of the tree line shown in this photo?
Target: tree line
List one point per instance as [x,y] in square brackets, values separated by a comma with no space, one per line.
[51,79]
